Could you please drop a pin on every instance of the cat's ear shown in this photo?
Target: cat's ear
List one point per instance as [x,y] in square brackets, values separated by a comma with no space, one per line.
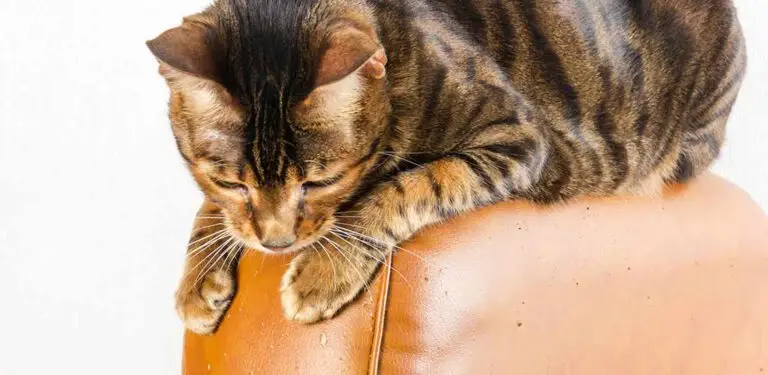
[188,48]
[349,49]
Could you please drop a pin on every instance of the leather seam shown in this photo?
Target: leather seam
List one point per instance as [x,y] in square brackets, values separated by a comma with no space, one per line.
[377,338]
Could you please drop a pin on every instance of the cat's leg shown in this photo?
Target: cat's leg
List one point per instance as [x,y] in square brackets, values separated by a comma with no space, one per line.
[323,279]
[491,168]
[208,284]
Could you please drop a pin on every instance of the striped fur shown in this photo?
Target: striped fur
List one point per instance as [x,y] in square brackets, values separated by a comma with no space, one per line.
[444,106]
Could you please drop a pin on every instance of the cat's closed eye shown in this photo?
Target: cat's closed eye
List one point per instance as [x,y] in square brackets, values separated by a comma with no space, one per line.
[230,185]
[322,183]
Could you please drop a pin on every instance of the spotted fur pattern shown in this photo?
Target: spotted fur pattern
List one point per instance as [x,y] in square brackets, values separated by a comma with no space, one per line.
[341,128]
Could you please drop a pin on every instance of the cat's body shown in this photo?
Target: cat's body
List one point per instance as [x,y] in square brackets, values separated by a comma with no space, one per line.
[619,89]
[424,109]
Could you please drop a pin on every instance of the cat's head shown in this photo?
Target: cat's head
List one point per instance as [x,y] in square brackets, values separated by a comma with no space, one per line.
[278,108]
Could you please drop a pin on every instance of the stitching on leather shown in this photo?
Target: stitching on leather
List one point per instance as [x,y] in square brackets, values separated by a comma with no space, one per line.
[380,318]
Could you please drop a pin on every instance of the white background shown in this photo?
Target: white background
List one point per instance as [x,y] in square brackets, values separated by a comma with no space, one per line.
[96,205]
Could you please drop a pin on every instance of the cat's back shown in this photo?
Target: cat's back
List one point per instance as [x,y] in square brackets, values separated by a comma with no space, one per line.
[573,45]
[623,81]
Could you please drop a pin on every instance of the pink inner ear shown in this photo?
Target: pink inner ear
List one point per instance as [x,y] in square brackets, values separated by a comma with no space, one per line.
[184,48]
[376,65]
[349,50]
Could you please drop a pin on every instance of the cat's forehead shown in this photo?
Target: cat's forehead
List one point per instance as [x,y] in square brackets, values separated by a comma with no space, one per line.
[320,126]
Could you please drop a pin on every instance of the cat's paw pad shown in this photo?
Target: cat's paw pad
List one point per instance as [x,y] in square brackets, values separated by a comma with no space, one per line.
[201,307]
[309,292]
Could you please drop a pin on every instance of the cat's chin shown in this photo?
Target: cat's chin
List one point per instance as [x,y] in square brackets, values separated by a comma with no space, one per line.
[299,246]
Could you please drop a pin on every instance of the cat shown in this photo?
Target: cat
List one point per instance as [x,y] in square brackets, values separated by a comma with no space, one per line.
[339,128]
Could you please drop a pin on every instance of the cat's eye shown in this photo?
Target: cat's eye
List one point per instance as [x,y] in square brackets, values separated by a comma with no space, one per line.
[321,184]
[230,185]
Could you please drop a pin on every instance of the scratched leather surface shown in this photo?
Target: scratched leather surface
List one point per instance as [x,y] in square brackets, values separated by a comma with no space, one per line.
[677,285]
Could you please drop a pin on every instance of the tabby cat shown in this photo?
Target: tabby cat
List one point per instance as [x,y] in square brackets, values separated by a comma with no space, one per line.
[339,128]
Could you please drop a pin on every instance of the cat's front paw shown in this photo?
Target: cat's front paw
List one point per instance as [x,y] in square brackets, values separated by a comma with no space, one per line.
[202,306]
[315,288]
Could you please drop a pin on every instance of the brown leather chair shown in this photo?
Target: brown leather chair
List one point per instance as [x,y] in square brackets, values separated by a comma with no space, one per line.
[676,286]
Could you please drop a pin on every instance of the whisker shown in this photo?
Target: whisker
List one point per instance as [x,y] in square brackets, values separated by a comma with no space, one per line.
[368,239]
[401,158]
[190,272]
[212,263]
[340,235]
[351,263]
[208,244]
[351,225]
[333,266]
[378,242]
[206,236]
[221,245]
[413,153]
[235,249]
[209,214]
[236,246]
[228,254]
[207,226]
[208,257]
[209,218]
[223,254]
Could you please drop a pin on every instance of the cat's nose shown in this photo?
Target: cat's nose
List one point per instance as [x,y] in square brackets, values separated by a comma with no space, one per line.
[276,236]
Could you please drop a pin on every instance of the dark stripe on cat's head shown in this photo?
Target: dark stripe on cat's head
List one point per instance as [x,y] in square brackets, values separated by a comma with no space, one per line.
[268,66]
